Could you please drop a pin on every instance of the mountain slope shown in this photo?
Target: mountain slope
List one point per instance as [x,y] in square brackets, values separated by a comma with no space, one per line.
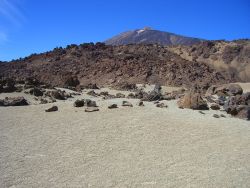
[150,36]
[111,65]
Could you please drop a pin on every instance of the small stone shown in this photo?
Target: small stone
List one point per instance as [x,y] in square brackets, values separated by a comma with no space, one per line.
[112,106]
[161,105]
[52,109]
[140,103]
[91,109]
[120,95]
[215,107]
[216,116]
[201,112]
[126,103]
[222,115]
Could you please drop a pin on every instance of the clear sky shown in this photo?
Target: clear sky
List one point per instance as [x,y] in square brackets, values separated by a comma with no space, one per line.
[32,26]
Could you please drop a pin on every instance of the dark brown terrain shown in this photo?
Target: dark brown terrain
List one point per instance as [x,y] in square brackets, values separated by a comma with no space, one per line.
[205,63]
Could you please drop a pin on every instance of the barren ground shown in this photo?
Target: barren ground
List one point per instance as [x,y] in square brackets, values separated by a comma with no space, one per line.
[124,147]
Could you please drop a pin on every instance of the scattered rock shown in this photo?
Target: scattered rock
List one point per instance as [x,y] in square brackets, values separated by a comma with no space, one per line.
[36,92]
[7,86]
[174,94]
[126,103]
[215,107]
[120,95]
[14,101]
[216,116]
[228,90]
[79,103]
[71,82]
[90,103]
[131,95]
[140,103]
[126,86]
[161,105]
[43,101]
[56,94]
[222,115]
[112,106]
[92,93]
[52,109]
[91,109]
[89,86]
[201,112]
[243,112]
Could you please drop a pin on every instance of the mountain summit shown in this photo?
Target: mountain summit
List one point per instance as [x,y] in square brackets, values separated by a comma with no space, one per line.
[148,35]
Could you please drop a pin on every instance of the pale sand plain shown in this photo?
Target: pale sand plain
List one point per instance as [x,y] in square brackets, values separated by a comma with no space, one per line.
[124,147]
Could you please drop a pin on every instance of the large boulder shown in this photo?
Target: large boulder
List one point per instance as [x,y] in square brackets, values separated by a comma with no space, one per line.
[14,101]
[238,106]
[193,101]
[79,103]
[243,112]
[90,103]
[36,92]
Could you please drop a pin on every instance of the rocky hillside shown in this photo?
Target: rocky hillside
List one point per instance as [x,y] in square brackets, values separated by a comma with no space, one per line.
[232,57]
[209,62]
[150,36]
[112,65]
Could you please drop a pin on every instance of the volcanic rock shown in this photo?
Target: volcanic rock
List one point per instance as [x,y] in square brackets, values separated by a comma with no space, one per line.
[52,109]
[79,103]
[126,103]
[13,101]
[193,101]
[91,109]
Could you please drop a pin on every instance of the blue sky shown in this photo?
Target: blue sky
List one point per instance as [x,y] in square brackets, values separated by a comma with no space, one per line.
[33,26]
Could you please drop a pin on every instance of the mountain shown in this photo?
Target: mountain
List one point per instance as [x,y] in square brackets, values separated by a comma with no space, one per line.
[151,36]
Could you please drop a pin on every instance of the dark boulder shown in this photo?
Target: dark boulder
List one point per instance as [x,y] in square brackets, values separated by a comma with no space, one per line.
[36,92]
[52,109]
[112,106]
[215,107]
[90,103]
[79,103]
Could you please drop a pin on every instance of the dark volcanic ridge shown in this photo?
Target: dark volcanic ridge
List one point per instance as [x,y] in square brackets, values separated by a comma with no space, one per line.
[138,63]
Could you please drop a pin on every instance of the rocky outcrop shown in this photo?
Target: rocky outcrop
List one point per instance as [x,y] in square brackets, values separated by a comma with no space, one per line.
[193,101]
[13,101]
[238,106]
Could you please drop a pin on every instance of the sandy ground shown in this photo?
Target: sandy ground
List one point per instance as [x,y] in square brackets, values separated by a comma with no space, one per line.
[124,147]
